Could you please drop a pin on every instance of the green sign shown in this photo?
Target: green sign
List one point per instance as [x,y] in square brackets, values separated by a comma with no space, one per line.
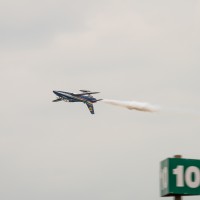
[179,177]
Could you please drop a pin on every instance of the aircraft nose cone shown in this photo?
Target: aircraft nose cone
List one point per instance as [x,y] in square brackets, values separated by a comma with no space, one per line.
[55,92]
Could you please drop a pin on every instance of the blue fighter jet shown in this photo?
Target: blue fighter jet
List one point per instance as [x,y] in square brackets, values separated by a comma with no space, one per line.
[84,97]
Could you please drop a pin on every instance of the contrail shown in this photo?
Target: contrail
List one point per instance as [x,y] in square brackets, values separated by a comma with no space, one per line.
[133,105]
[147,107]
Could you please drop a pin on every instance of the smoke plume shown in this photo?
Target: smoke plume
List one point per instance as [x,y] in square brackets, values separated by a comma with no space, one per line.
[133,105]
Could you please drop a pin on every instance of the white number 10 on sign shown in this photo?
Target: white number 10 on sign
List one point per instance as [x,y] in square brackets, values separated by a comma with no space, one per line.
[189,176]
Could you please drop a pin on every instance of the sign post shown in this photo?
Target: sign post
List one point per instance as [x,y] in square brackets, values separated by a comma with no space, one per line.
[179,177]
[177,197]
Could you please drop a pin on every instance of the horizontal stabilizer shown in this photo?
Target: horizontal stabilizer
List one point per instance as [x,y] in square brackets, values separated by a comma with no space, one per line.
[86,93]
[84,90]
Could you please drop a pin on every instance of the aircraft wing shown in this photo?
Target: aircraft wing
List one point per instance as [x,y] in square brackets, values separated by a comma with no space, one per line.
[56,100]
[90,107]
[86,93]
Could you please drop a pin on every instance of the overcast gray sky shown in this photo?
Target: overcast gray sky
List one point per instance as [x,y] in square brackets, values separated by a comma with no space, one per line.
[128,50]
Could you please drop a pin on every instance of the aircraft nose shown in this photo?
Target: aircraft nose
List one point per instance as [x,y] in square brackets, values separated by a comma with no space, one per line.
[55,92]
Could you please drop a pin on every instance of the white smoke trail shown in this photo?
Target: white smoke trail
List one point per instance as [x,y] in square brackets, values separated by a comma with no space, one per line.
[133,105]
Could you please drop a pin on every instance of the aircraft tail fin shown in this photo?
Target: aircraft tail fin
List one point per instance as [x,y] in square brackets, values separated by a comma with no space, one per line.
[90,107]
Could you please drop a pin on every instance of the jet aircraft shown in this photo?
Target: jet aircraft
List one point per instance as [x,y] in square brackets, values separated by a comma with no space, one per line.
[84,97]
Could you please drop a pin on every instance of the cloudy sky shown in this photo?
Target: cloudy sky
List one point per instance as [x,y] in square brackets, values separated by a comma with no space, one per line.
[128,50]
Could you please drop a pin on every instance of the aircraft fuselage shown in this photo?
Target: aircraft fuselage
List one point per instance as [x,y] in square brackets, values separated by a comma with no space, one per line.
[70,97]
